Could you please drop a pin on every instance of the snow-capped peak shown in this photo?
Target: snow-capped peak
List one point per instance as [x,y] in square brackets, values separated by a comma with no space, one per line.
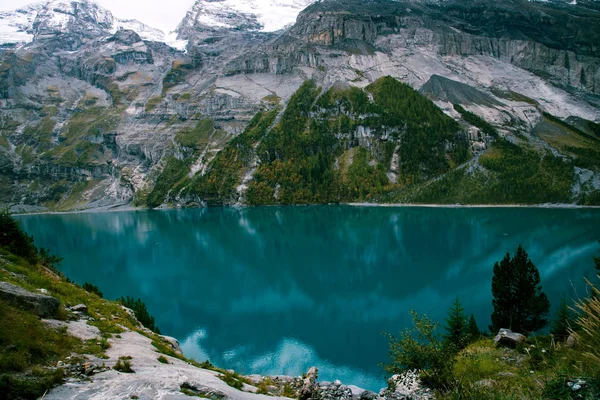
[56,17]
[260,15]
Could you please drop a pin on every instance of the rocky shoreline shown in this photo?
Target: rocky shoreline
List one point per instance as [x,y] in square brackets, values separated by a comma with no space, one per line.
[133,365]
[20,210]
[95,378]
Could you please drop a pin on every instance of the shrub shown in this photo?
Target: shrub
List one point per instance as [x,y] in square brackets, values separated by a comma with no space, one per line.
[232,379]
[563,322]
[288,391]
[88,287]
[419,348]
[140,311]
[124,365]
[163,359]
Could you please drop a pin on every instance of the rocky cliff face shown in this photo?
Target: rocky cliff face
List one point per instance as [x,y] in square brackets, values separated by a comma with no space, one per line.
[98,111]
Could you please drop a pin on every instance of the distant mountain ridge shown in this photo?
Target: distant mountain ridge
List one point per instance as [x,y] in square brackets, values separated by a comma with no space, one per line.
[57,17]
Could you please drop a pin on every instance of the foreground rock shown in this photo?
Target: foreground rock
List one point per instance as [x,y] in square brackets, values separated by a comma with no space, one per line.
[151,380]
[309,385]
[406,386]
[39,304]
[508,338]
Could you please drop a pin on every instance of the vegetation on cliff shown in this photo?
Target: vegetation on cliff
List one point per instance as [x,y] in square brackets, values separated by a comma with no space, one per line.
[386,143]
[32,351]
[461,364]
[335,146]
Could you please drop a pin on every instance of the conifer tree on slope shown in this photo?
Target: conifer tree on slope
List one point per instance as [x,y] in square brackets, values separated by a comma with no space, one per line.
[563,321]
[473,331]
[456,326]
[519,302]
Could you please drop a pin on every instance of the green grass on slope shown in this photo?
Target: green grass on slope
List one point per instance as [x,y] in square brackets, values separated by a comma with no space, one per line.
[174,171]
[198,136]
[30,350]
[539,369]
[27,344]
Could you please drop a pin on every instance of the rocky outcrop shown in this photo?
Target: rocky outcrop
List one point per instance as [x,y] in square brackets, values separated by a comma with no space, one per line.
[406,386]
[508,338]
[39,304]
[444,89]
[309,384]
[532,37]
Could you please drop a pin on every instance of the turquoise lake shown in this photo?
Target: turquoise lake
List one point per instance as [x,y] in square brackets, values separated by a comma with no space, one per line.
[274,290]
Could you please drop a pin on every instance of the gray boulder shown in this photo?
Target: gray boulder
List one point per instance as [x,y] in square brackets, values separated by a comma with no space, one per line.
[174,343]
[368,395]
[571,341]
[79,308]
[41,305]
[334,391]
[508,338]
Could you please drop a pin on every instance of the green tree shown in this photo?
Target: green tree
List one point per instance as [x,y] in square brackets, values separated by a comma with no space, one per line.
[15,240]
[473,331]
[563,321]
[140,311]
[456,326]
[419,348]
[518,300]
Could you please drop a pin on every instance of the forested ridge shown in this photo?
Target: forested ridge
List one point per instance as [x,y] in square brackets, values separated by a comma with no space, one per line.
[385,143]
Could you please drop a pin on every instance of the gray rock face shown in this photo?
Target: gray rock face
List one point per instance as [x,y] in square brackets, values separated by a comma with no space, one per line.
[505,30]
[91,112]
[508,338]
[41,305]
[444,89]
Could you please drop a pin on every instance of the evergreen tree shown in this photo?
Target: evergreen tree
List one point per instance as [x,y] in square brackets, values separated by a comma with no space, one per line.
[456,326]
[519,302]
[15,240]
[563,321]
[473,331]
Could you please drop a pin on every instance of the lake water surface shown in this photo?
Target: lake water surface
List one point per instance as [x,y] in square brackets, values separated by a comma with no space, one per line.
[274,290]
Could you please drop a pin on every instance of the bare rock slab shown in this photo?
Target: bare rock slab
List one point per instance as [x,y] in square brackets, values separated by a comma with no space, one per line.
[41,305]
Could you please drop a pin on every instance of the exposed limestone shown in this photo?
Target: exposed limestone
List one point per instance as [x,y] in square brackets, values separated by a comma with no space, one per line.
[41,305]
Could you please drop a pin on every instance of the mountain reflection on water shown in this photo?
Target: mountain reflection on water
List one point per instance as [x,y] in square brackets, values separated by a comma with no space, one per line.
[274,290]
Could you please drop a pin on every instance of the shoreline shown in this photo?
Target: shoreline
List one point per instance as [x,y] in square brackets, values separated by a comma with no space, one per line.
[128,207]
[562,206]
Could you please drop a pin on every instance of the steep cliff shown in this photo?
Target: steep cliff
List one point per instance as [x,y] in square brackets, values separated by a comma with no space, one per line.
[95,115]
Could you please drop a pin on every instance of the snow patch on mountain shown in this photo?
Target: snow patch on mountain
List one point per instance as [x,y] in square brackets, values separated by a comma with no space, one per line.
[60,16]
[261,15]
[14,24]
